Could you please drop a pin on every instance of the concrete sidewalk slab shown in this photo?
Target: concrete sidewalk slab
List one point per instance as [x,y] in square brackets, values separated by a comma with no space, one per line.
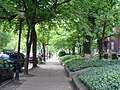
[50,76]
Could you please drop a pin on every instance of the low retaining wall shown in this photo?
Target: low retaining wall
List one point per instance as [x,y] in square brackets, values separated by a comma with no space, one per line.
[79,85]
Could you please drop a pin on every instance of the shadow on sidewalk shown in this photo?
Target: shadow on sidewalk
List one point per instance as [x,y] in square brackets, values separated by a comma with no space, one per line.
[13,85]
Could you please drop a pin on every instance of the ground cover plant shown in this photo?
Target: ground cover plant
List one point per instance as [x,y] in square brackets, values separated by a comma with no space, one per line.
[75,65]
[76,62]
[61,53]
[101,78]
[66,57]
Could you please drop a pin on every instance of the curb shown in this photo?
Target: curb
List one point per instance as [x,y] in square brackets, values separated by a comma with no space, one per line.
[6,82]
[60,61]
[69,73]
[79,85]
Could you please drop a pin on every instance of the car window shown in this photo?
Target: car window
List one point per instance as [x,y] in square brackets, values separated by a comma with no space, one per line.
[13,56]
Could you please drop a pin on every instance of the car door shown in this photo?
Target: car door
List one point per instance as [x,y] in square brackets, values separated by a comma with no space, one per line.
[3,71]
[8,70]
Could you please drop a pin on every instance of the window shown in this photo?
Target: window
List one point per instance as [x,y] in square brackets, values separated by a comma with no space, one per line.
[119,46]
[112,45]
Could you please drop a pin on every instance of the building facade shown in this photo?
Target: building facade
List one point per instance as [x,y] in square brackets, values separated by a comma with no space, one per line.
[112,43]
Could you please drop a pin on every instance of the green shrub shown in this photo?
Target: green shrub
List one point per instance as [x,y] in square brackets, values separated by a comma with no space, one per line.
[66,57]
[114,56]
[101,78]
[75,58]
[78,65]
[75,65]
[105,55]
[69,58]
[62,53]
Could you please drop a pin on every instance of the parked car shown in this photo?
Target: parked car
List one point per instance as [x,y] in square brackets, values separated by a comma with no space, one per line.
[12,59]
[6,71]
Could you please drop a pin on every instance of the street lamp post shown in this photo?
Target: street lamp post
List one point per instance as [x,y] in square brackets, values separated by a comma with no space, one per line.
[20,18]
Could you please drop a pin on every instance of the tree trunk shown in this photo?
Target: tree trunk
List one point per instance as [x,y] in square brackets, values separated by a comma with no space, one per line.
[103,34]
[69,51]
[28,45]
[44,51]
[28,42]
[73,51]
[18,56]
[80,50]
[100,41]
[30,21]
[87,45]
[100,48]
[34,47]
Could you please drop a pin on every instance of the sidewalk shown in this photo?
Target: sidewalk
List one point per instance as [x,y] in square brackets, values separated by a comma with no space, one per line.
[50,76]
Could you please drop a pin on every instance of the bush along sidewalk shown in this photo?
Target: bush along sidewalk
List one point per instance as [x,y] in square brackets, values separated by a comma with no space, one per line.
[65,58]
[61,53]
[68,58]
[94,73]
[75,65]
[101,78]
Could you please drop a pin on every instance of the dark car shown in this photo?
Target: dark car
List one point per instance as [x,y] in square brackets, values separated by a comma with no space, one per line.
[6,71]
[13,59]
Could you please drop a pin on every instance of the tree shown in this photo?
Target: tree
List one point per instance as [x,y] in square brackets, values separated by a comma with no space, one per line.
[37,12]
[43,33]
[97,20]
